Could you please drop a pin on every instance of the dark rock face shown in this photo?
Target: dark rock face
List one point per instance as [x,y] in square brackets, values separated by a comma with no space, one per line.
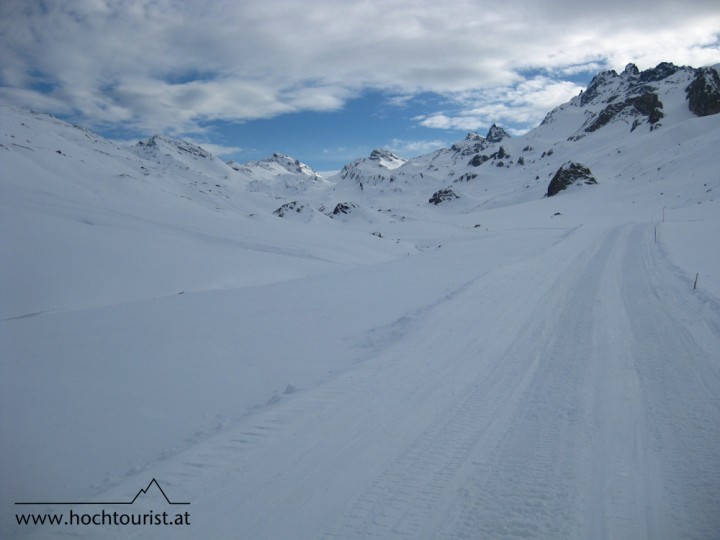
[467,150]
[648,104]
[465,177]
[287,208]
[343,208]
[703,93]
[630,82]
[443,195]
[631,70]
[496,134]
[659,72]
[570,173]
[478,160]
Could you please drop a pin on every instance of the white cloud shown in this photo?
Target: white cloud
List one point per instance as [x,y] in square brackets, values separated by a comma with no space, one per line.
[522,104]
[171,65]
[458,121]
[406,148]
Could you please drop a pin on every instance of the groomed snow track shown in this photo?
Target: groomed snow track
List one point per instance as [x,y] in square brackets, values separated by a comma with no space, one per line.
[575,394]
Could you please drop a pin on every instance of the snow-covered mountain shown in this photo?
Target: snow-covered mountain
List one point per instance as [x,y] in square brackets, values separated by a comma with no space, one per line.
[374,169]
[605,126]
[510,337]
[279,174]
[622,127]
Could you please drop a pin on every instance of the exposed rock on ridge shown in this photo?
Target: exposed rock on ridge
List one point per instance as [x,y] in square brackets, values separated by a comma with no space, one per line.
[496,134]
[703,93]
[570,173]
[443,195]
[648,105]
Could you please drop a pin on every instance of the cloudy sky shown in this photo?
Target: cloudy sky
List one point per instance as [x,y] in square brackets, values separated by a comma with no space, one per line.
[329,80]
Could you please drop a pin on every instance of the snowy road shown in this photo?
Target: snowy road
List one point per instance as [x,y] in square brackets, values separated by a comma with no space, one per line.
[575,394]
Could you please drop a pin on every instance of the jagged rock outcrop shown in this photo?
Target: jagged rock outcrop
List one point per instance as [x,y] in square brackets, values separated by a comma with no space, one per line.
[287,208]
[703,93]
[662,71]
[343,208]
[599,81]
[478,159]
[466,150]
[496,134]
[568,174]
[609,87]
[443,195]
[475,144]
[648,105]
[631,70]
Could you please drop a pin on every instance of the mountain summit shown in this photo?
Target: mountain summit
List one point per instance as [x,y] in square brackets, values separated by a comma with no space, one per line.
[496,134]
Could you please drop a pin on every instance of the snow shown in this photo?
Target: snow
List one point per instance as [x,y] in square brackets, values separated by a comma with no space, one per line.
[690,240]
[503,366]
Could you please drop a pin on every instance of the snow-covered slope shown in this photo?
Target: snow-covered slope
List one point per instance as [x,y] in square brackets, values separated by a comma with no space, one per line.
[372,170]
[422,348]
[89,223]
[279,175]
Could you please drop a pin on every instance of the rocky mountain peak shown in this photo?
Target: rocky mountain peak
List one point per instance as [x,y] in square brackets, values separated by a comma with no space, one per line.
[631,70]
[496,134]
[598,82]
[380,153]
[291,164]
[662,71]
[474,136]
[385,158]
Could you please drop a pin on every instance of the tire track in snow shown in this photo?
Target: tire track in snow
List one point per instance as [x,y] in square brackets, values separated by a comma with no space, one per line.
[618,433]
[529,406]
[527,482]
[414,495]
[677,357]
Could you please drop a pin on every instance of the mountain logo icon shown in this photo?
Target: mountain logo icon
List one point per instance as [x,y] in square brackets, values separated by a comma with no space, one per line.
[142,491]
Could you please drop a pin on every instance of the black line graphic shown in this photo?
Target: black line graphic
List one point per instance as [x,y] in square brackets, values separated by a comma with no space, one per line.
[142,491]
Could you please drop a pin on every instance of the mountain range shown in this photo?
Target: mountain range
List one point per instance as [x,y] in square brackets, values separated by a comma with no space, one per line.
[610,128]
[513,336]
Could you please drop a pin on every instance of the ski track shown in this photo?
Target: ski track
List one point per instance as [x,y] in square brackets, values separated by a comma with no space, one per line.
[617,434]
[578,403]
